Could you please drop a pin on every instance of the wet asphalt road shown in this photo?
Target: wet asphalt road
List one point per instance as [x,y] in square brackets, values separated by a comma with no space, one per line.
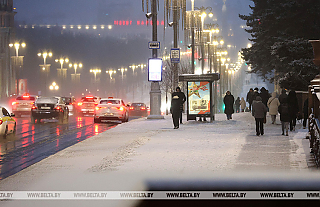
[34,142]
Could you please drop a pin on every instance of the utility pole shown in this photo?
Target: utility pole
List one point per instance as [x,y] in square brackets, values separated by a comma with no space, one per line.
[192,36]
[155,93]
[175,42]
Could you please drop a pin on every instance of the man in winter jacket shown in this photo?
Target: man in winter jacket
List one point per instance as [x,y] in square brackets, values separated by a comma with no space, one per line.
[284,115]
[228,101]
[283,95]
[250,98]
[178,90]
[264,95]
[259,111]
[177,100]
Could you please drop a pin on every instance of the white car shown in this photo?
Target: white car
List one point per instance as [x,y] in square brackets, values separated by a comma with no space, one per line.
[7,123]
[23,104]
[111,109]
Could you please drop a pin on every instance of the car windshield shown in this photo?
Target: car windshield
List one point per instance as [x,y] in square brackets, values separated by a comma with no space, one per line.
[91,99]
[66,100]
[47,100]
[27,98]
[110,102]
[137,104]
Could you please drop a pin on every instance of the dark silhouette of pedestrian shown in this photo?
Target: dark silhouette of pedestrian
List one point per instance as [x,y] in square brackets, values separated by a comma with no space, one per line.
[249,98]
[177,100]
[237,104]
[228,101]
[305,113]
[284,115]
[264,94]
[283,95]
[293,109]
[178,90]
[259,111]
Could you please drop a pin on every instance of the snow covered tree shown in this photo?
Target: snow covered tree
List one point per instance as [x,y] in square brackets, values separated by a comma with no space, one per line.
[280,30]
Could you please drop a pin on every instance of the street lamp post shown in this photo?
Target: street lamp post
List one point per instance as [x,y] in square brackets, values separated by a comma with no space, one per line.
[62,72]
[95,72]
[76,76]
[54,87]
[17,63]
[111,72]
[45,67]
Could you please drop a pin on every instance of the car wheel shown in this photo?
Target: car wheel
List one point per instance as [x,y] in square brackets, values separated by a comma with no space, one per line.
[15,128]
[33,120]
[38,121]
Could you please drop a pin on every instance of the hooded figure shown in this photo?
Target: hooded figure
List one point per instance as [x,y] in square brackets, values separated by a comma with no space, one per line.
[250,97]
[264,95]
[283,95]
[259,111]
[273,104]
[228,101]
[237,104]
[284,115]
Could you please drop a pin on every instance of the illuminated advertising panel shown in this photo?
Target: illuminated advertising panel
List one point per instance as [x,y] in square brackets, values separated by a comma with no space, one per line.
[199,98]
[155,69]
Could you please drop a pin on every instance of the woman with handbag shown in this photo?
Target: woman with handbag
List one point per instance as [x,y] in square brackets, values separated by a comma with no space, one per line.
[273,104]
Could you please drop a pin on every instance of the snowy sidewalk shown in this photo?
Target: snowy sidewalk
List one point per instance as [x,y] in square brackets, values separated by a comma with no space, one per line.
[152,148]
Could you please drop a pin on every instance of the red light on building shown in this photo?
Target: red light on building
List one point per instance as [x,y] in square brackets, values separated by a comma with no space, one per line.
[138,22]
[115,22]
[142,22]
[162,22]
[127,22]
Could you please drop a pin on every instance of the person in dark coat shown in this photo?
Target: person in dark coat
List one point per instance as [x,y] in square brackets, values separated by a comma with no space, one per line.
[283,95]
[255,94]
[178,90]
[250,98]
[237,104]
[305,113]
[177,100]
[264,95]
[284,115]
[228,101]
[293,109]
[259,111]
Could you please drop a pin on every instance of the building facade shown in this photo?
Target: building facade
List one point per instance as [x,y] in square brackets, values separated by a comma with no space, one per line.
[7,75]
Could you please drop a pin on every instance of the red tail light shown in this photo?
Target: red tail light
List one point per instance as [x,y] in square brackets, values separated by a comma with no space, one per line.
[96,104]
[121,108]
[80,103]
[143,108]
[33,107]
[1,122]
[131,108]
[14,103]
[97,108]
[57,108]
[32,103]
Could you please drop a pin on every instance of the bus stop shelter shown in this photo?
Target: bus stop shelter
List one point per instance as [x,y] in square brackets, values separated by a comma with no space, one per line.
[200,100]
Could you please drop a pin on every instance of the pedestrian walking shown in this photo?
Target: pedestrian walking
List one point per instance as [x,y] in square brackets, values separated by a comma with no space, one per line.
[177,100]
[250,98]
[293,109]
[305,113]
[273,105]
[178,90]
[259,111]
[264,95]
[255,94]
[283,95]
[284,115]
[237,104]
[228,101]
[242,104]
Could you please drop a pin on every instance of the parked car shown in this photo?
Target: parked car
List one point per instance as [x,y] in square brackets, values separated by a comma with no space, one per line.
[138,109]
[7,123]
[111,109]
[50,108]
[86,105]
[22,105]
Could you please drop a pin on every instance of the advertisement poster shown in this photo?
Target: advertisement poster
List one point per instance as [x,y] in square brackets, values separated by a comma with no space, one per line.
[199,98]
[22,86]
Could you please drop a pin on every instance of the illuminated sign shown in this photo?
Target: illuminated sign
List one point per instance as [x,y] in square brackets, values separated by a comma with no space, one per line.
[198,98]
[155,69]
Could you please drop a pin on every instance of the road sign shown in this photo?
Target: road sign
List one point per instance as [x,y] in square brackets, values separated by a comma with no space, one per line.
[175,55]
[154,45]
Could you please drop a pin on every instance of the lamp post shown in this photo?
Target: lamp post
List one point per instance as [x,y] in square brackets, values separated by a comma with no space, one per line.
[62,72]
[75,77]
[95,72]
[45,68]
[17,63]
[54,87]
[111,72]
